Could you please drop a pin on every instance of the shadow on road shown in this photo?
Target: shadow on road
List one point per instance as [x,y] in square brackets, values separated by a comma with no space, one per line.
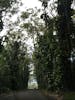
[26,95]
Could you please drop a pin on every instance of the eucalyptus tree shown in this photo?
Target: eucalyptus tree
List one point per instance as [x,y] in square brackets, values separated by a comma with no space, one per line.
[64,28]
[65,31]
[17,60]
[46,51]
[73,48]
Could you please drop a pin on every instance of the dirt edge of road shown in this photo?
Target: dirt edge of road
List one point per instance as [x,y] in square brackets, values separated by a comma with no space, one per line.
[53,95]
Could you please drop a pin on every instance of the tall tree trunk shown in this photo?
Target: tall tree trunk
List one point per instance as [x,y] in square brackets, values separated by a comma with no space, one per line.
[1,22]
[64,33]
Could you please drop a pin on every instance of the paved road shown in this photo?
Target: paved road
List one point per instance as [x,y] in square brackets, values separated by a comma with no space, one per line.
[27,95]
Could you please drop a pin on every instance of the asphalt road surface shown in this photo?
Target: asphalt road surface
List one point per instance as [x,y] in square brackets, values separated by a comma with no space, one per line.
[26,95]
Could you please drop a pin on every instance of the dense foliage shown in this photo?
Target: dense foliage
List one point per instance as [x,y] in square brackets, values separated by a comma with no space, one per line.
[53,55]
[14,63]
[53,51]
[4,6]
[14,60]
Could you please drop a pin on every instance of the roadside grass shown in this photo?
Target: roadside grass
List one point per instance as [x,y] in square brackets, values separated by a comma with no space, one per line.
[69,96]
[61,95]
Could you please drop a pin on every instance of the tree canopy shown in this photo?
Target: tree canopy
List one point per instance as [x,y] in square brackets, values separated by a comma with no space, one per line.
[52,54]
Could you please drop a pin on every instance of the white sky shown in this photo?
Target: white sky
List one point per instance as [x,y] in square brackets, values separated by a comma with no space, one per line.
[37,3]
[32,3]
